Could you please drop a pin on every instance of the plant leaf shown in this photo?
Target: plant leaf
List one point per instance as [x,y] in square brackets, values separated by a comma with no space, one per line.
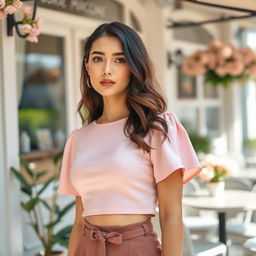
[40,174]
[28,206]
[25,163]
[22,180]
[45,186]
[46,205]
[26,191]
[58,157]
[62,236]
[51,224]
[65,209]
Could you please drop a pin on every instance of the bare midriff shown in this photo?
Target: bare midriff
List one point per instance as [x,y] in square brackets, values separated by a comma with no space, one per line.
[116,219]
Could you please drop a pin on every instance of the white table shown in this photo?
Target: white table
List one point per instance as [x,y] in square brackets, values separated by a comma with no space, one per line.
[233,201]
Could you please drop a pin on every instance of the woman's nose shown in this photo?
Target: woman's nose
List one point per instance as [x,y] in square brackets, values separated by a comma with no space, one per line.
[107,68]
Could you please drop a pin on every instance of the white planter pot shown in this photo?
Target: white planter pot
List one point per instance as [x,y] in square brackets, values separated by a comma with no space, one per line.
[216,188]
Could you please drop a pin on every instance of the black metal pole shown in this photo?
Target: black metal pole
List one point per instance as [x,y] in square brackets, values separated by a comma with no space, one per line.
[10,24]
[192,24]
[220,6]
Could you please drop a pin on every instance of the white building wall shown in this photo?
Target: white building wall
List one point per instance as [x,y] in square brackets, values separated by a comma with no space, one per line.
[10,222]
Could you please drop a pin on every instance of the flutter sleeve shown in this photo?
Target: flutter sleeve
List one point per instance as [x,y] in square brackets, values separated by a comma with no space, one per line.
[178,153]
[65,185]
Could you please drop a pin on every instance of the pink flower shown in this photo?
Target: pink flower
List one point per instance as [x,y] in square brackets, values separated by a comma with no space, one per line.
[202,57]
[206,174]
[212,60]
[34,32]
[39,23]
[2,15]
[26,28]
[221,71]
[251,70]
[27,10]
[235,68]
[2,4]
[215,44]
[231,45]
[32,38]
[191,67]
[225,52]
[248,55]
[9,9]
[17,4]
[237,56]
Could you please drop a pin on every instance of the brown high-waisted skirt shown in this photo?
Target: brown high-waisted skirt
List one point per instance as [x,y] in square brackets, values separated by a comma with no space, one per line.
[137,239]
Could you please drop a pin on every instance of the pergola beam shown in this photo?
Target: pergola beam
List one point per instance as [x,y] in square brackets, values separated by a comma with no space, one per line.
[250,14]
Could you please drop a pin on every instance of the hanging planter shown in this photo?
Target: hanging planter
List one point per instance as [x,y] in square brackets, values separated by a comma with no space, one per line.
[221,64]
[29,24]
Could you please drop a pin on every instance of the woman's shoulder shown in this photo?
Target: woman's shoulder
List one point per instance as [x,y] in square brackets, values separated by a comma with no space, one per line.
[168,115]
[171,119]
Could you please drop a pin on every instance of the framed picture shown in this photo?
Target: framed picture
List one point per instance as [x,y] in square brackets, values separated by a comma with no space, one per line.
[186,86]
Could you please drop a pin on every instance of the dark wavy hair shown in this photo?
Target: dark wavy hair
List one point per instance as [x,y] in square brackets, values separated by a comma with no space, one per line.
[145,98]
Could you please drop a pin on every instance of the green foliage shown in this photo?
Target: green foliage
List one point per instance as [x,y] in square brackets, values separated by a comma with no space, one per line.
[30,119]
[200,143]
[216,80]
[218,175]
[250,143]
[34,203]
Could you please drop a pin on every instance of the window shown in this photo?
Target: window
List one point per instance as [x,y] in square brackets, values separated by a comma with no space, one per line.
[41,88]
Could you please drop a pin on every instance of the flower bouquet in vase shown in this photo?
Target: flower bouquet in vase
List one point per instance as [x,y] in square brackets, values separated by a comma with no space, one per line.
[215,170]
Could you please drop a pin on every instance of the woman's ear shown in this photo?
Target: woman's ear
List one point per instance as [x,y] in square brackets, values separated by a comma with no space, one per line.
[87,67]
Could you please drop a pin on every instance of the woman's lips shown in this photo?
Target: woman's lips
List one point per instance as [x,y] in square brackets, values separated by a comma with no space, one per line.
[107,82]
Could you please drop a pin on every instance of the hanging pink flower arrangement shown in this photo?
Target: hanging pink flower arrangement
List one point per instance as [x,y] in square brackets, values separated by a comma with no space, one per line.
[29,26]
[9,7]
[222,63]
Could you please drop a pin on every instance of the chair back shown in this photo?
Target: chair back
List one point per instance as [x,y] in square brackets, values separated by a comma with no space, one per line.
[191,186]
[238,183]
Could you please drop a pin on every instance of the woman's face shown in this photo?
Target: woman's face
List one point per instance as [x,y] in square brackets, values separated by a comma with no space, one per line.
[106,61]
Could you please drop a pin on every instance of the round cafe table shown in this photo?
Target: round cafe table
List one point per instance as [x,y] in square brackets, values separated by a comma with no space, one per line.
[232,201]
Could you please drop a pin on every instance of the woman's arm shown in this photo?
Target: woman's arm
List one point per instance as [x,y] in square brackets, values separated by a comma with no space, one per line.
[77,227]
[170,213]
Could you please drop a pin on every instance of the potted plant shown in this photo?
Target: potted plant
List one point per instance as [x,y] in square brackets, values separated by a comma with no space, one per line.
[215,170]
[44,229]
[201,144]
[250,147]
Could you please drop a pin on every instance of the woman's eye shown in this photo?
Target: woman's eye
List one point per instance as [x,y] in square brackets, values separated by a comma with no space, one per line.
[120,60]
[96,59]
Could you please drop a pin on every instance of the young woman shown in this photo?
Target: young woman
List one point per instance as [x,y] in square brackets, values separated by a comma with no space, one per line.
[130,156]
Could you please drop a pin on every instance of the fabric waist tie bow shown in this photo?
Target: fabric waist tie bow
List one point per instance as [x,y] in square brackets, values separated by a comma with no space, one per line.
[114,237]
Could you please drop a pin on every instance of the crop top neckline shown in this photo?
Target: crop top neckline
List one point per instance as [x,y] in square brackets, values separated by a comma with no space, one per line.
[109,123]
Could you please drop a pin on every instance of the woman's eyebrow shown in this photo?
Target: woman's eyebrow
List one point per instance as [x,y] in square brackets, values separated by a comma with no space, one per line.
[102,53]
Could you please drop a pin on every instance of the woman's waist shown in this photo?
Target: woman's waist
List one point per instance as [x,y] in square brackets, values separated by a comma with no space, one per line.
[116,219]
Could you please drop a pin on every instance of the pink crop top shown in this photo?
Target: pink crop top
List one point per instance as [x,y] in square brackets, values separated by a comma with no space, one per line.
[113,176]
